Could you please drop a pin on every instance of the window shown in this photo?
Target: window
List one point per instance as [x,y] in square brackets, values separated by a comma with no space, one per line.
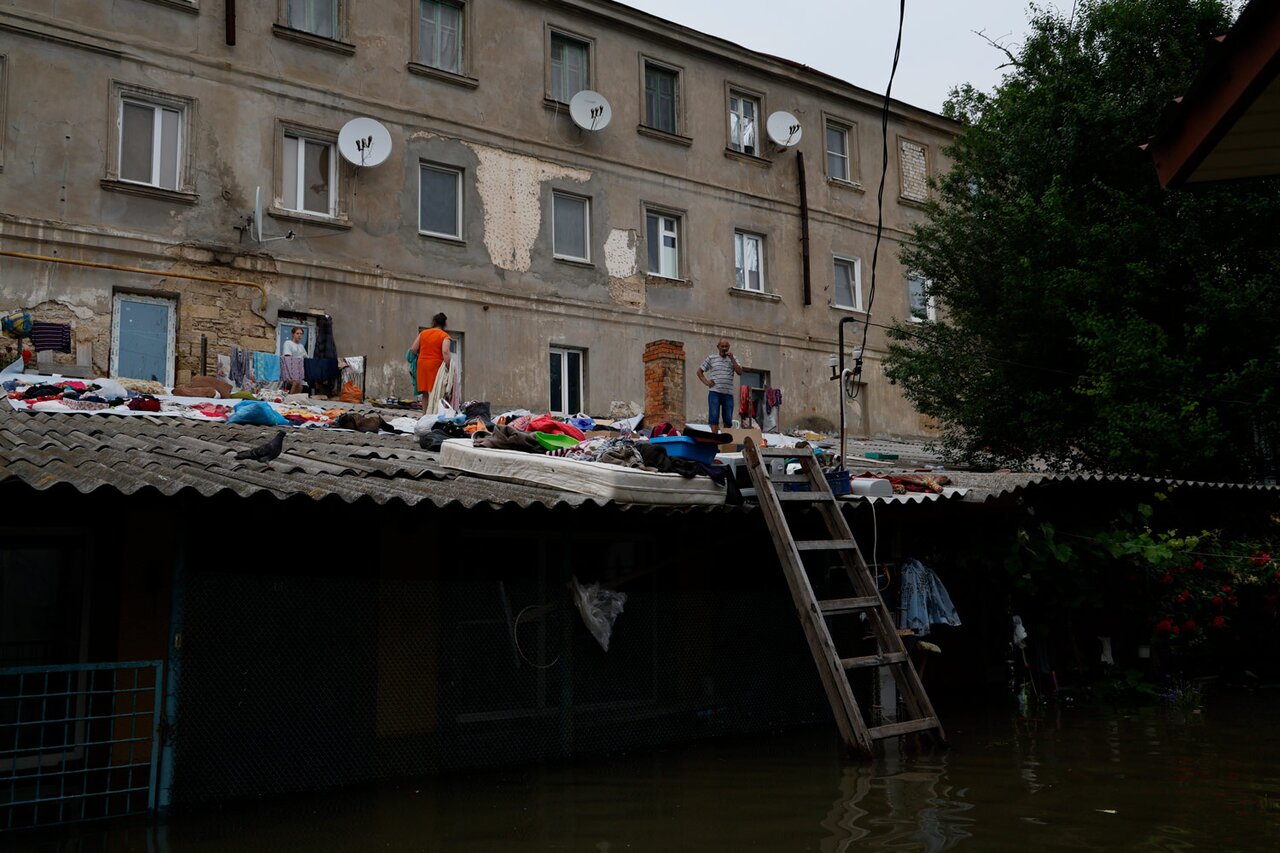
[440,201]
[848,284]
[44,602]
[920,302]
[913,170]
[571,227]
[284,332]
[309,175]
[748,261]
[570,71]
[318,17]
[838,153]
[142,337]
[661,89]
[744,118]
[440,35]
[566,381]
[150,144]
[662,240]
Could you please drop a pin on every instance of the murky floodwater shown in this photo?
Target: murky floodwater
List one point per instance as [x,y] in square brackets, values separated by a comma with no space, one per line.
[1088,779]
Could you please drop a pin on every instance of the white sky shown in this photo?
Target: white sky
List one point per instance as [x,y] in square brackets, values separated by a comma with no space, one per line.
[853,39]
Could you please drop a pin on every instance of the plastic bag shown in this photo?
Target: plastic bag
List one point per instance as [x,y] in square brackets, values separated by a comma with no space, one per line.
[350,393]
[256,412]
[425,424]
[599,608]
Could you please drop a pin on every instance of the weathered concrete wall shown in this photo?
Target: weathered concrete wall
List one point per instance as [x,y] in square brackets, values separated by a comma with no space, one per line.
[374,272]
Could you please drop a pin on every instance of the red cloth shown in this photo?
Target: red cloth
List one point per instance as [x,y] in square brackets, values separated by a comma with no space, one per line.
[744,402]
[144,404]
[546,423]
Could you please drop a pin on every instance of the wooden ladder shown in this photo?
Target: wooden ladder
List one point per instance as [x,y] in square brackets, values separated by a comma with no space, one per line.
[834,669]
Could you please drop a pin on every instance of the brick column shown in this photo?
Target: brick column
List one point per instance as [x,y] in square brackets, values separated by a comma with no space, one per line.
[664,383]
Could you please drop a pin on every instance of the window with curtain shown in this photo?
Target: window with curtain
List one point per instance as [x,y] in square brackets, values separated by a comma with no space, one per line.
[570,71]
[318,17]
[744,117]
[661,88]
[440,35]
[749,261]
[571,227]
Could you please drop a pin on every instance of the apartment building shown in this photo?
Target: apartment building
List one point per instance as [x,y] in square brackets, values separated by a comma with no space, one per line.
[200,139]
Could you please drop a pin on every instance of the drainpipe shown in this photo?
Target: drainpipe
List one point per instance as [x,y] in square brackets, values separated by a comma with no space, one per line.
[51,259]
[177,596]
[804,229]
[230,10]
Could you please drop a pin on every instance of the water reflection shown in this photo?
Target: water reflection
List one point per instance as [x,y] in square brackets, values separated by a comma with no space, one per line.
[1081,780]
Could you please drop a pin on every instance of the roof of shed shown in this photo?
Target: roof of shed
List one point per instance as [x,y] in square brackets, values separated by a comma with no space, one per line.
[172,455]
[175,455]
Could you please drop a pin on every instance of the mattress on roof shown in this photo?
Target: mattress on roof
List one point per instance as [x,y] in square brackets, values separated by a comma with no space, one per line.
[597,479]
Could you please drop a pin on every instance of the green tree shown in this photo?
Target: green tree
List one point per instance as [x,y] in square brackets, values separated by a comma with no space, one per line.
[1089,318]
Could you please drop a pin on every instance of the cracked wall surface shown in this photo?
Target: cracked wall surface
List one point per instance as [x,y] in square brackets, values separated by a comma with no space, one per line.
[626,286]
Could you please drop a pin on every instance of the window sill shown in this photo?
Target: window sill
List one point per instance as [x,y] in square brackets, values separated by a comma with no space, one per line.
[192,6]
[846,185]
[573,262]
[754,294]
[673,138]
[753,159]
[313,40]
[440,74]
[835,306]
[148,191]
[337,223]
[442,238]
[913,202]
[655,280]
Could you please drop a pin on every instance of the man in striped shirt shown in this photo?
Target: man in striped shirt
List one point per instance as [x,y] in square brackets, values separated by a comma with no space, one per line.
[717,373]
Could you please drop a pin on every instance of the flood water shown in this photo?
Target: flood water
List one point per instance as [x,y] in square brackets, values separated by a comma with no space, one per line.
[1146,779]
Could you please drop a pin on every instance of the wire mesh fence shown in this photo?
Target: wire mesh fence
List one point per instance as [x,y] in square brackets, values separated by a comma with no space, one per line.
[78,741]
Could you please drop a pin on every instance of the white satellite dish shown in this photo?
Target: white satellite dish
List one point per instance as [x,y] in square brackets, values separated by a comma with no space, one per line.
[364,142]
[784,129]
[590,110]
[255,226]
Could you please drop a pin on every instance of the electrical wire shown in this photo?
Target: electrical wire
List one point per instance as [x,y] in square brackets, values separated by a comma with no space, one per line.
[884,172]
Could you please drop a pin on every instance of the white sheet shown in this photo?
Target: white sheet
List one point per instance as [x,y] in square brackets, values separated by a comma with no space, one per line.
[597,479]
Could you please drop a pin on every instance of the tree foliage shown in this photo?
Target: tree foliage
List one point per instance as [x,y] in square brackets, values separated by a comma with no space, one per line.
[1090,319]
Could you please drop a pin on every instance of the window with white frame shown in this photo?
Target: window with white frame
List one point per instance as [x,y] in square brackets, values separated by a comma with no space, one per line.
[570,66]
[571,227]
[661,91]
[744,119]
[440,35]
[848,284]
[566,381]
[285,327]
[440,201]
[142,337]
[310,175]
[838,152]
[150,143]
[748,253]
[662,242]
[920,302]
[318,17]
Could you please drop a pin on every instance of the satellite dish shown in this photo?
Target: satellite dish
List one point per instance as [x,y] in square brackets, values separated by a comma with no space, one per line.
[784,129]
[255,226]
[590,110]
[364,142]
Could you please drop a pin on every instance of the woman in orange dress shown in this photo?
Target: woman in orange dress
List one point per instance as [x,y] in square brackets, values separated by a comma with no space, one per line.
[432,347]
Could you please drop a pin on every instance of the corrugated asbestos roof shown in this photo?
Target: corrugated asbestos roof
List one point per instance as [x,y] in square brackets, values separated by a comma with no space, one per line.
[171,455]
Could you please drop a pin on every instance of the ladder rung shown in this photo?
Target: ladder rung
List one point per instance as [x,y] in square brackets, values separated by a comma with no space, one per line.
[825,545]
[874,660]
[833,606]
[905,728]
[785,451]
[811,497]
[788,478]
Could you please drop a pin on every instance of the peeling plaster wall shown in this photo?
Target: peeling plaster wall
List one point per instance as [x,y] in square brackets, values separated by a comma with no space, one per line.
[510,186]
[626,286]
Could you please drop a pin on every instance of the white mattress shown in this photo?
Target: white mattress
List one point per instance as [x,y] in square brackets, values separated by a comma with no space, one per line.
[597,479]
